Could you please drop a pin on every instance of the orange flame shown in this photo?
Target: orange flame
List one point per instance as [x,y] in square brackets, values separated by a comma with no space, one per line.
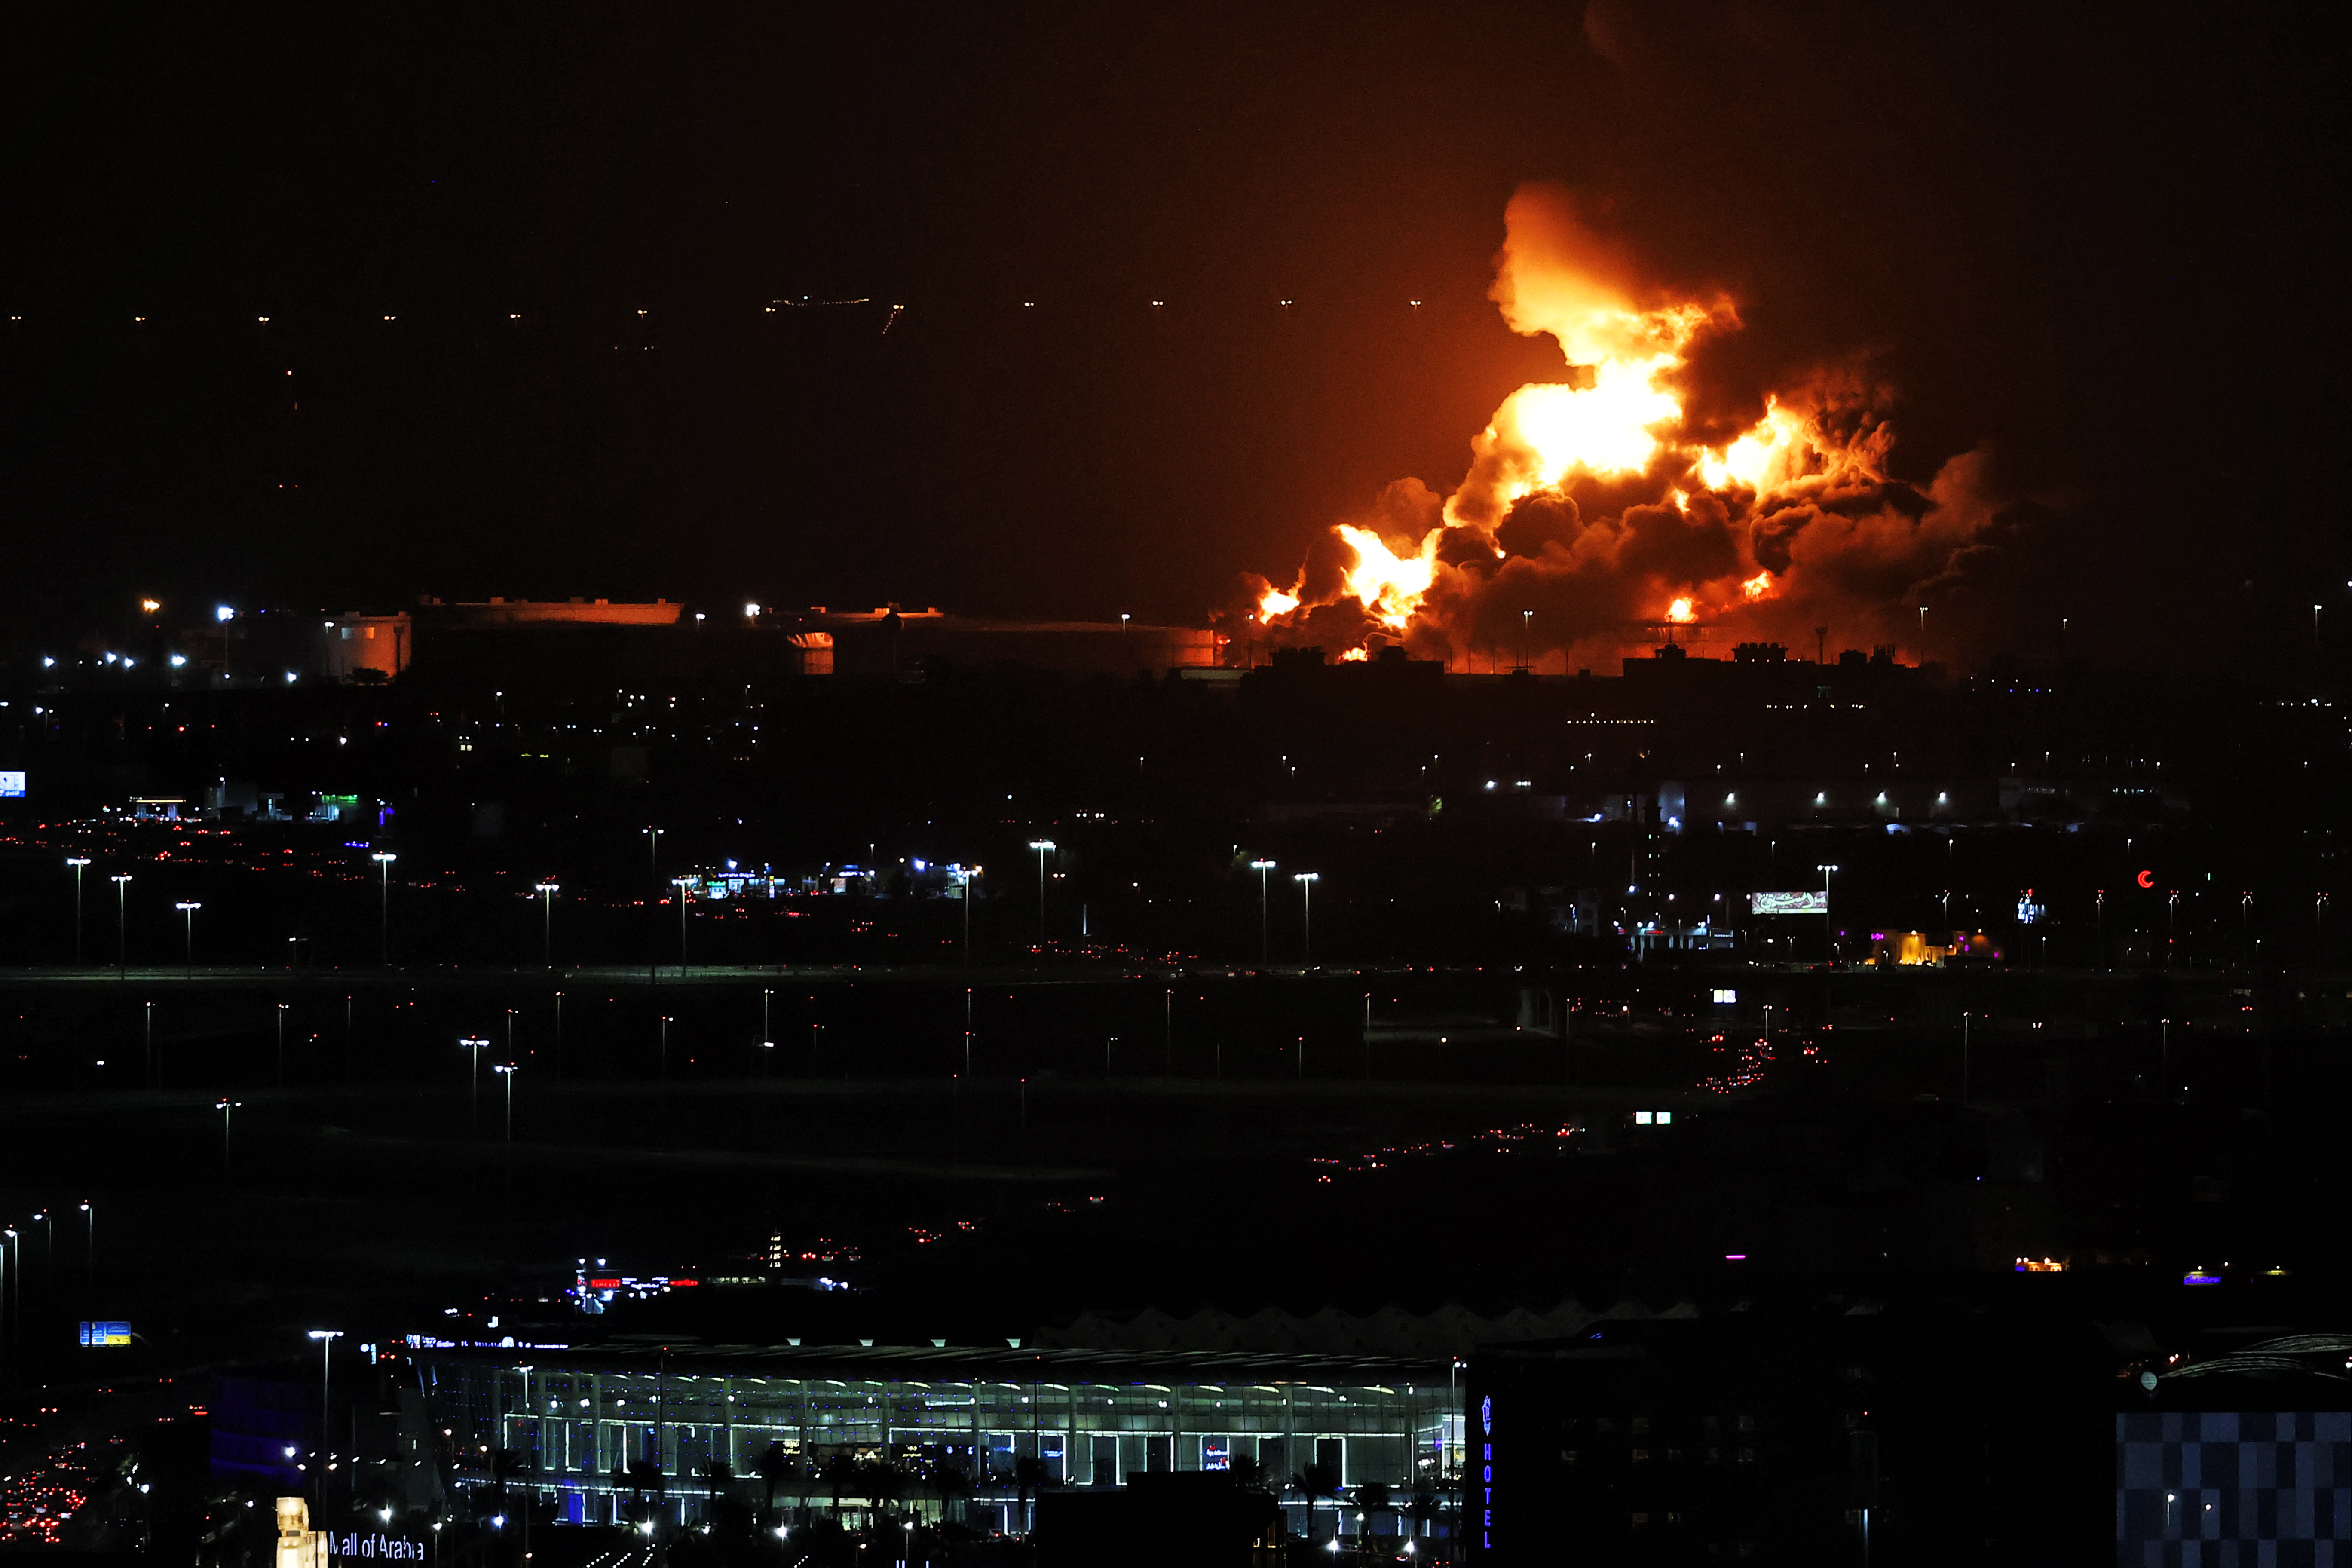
[1616,416]
[1356,654]
[1275,602]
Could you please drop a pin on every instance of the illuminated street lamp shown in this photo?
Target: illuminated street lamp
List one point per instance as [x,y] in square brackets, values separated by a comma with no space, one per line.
[1043,846]
[326,1337]
[225,1107]
[122,920]
[188,908]
[547,891]
[383,859]
[1261,868]
[474,1105]
[76,862]
[1306,881]
[508,1070]
[964,877]
[681,884]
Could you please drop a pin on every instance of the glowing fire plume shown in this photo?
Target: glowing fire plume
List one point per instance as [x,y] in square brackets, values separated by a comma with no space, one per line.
[1275,602]
[1387,584]
[1596,497]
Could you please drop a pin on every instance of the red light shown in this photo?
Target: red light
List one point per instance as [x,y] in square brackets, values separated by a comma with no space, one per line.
[685,1282]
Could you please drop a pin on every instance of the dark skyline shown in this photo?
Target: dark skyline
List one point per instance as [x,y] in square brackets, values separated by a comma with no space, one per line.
[2095,242]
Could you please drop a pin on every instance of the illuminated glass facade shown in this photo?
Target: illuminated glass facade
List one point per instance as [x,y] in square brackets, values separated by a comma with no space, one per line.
[1091,1418]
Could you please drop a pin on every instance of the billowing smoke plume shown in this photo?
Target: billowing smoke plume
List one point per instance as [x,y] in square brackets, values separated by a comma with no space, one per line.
[1631,495]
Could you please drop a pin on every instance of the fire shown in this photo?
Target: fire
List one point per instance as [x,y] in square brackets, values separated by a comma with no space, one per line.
[1733,510]
[1356,654]
[1387,584]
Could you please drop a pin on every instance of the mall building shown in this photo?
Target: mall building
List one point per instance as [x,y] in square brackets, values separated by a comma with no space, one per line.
[1088,1417]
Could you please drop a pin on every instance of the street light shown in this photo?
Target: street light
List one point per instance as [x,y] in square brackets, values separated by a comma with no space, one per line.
[681,884]
[508,1070]
[653,852]
[188,907]
[474,1105]
[76,862]
[963,875]
[1043,846]
[1306,881]
[225,1107]
[282,1006]
[122,920]
[1261,868]
[383,859]
[326,1337]
[547,891]
[1829,934]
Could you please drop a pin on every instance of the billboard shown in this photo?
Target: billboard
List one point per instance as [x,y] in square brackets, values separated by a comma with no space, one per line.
[100,1336]
[1788,903]
[12,785]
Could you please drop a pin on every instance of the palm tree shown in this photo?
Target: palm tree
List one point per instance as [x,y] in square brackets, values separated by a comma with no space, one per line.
[1372,1499]
[1316,1482]
[506,1464]
[1029,1475]
[1424,1510]
[885,1483]
[840,1476]
[1248,1470]
[718,1475]
[952,1485]
[776,1468]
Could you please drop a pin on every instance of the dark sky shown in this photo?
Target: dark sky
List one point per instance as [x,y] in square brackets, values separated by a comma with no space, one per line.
[2107,240]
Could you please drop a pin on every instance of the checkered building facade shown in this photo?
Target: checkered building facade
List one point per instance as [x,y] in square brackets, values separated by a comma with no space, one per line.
[2233,1489]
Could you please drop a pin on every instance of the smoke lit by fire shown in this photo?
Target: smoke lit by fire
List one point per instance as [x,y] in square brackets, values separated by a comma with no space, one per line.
[1595,509]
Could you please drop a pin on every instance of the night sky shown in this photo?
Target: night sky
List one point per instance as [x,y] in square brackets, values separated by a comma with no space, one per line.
[2106,241]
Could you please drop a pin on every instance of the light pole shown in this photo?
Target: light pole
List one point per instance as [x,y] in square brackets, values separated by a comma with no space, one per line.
[681,884]
[89,1251]
[1306,881]
[122,920]
[1964,1060]
[225,1107]
[963,875]
[383,859]
[1829,931]
[326,1337]
[1527,640]
[652,853]
[547,891]
[1262,868]
[188,908]
[1043,846]
[281,1043]
[76,862]
[473,1104]
[507,1071]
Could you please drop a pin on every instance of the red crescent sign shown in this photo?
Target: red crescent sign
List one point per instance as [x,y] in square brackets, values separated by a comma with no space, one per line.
[2145,878]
